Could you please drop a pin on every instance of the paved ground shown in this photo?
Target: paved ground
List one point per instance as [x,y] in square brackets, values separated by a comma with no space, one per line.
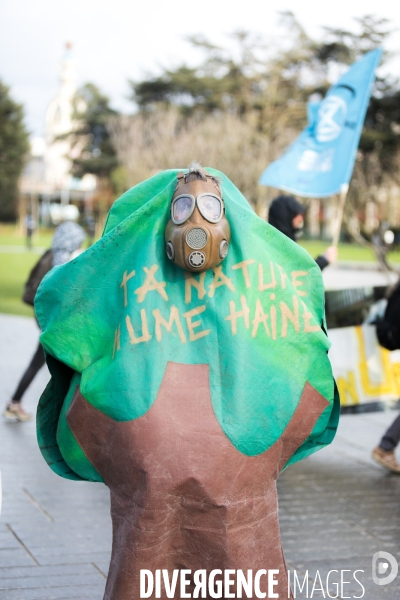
[337,508]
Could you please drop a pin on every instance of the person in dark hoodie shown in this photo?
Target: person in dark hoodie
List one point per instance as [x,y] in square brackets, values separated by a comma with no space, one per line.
[286,215]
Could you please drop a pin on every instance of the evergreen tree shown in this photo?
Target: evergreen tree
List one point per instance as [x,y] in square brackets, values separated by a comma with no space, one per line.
[277,84]
[92,114]
[266,90]
[14,146]
[226,80]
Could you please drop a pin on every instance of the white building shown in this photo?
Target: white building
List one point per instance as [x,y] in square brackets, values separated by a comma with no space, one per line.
[47,173]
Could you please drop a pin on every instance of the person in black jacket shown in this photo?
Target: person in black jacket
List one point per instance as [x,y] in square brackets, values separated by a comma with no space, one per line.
[384,453]
[388,334]
[286,215]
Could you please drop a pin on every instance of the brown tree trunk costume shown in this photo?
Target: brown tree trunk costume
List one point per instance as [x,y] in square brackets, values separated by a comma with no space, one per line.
[182,496]
[192,472]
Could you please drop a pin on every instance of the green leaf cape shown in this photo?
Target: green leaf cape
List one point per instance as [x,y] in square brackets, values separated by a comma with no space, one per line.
[113,318]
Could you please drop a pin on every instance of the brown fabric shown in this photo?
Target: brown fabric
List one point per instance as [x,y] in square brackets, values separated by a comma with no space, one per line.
[182,496]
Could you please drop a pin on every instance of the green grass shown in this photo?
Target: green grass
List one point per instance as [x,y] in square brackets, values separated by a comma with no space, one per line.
[10,236]
[14,271]
[351,252]
[15,266]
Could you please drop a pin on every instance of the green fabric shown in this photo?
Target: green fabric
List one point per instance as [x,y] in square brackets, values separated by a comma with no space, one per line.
[48,414]
[258,325]
[71,452]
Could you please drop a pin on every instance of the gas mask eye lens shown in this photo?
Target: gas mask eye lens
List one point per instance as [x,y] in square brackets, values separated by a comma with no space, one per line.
[210,207]
[182,208]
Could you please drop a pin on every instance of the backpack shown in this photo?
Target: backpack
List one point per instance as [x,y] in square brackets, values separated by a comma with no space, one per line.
[43,266]
[388,329]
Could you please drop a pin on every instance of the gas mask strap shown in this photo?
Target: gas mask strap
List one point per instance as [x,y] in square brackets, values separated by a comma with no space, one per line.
[215,183]
[179,177]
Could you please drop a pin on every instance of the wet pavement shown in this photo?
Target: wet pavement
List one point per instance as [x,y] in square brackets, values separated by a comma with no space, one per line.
[337,508]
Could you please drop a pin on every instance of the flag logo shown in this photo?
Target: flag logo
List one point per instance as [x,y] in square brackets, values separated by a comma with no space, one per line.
[332,117]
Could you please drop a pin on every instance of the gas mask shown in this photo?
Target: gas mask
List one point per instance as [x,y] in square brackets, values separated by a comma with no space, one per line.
[198,234]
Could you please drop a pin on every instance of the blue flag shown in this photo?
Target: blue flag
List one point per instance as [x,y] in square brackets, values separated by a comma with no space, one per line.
[321,160]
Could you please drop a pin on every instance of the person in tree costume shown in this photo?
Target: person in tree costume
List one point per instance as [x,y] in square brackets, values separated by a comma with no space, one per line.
[189,366]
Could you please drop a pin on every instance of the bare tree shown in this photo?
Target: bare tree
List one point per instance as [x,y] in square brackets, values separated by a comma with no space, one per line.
[164,139]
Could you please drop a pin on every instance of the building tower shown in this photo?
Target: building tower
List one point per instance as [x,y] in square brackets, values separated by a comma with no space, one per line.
[59,122]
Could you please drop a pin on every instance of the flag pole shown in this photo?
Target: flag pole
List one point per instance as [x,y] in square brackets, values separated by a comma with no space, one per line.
[337,226]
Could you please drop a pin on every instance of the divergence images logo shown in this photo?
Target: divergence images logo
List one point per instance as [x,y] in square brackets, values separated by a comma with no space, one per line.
[380,565]
[332,117]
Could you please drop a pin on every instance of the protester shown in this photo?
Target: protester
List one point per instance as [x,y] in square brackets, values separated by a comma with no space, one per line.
[67,241]
[388,333]
[68,238]
[30,226]
[384,453]
[90,226]
[286,215]
[180,386]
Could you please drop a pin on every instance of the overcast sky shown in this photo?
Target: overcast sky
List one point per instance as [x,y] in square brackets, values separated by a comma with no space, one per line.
[114,40]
